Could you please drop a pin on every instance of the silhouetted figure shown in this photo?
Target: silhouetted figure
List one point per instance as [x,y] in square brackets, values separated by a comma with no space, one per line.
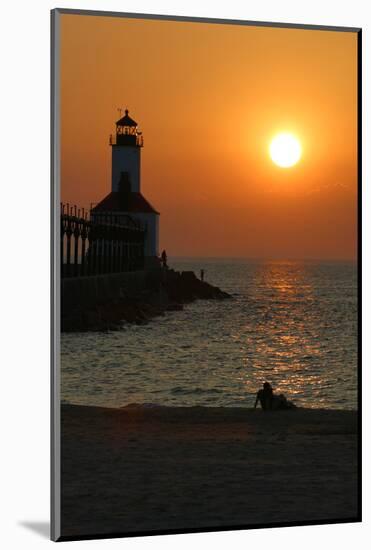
[269,401]
[202,273]
[265,396]
[164,258]
[280,402]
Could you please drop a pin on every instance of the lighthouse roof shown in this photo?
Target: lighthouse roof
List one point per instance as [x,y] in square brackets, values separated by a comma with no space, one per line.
[126,120]
[132,203]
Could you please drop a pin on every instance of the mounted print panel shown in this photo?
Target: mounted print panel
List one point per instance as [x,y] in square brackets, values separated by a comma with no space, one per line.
[205,275]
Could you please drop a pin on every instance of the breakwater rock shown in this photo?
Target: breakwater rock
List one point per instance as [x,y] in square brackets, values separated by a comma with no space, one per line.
[107,302]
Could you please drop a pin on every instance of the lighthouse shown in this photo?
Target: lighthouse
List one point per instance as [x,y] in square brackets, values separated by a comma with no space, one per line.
[126,149]
[126,198]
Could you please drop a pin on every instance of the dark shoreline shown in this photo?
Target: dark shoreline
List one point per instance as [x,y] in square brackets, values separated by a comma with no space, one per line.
[163,290]
[306,420]
[213,410]
[146,469]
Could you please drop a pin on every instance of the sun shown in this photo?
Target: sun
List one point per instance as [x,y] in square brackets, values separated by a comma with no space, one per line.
[285,150]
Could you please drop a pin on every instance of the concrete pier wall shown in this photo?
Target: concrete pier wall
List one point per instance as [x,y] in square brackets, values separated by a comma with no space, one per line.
[105,302]
[95,290]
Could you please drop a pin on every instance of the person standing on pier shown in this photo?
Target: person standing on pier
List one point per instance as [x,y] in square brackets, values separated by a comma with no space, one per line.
[164,259]
[202,274]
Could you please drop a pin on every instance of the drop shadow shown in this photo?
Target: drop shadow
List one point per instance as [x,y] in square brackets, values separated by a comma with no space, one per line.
[42,528]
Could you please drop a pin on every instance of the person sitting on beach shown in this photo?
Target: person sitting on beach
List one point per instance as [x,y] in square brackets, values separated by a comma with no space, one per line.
[265,396]
[280,402]
[269,401]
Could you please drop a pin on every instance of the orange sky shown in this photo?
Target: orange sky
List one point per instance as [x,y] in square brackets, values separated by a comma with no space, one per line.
[209,98]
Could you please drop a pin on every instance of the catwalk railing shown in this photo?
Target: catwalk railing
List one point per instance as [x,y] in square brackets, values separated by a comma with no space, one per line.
[98,243]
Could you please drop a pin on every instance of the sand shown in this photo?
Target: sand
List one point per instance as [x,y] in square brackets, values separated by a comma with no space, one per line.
[141,469]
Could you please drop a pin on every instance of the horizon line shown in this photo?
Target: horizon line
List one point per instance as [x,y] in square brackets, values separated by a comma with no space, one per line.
[263,258]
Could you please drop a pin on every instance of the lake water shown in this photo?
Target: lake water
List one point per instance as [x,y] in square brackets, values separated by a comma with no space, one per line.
[291,323]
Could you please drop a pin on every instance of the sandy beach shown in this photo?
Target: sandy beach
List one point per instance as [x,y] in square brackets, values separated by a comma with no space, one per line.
[139,469]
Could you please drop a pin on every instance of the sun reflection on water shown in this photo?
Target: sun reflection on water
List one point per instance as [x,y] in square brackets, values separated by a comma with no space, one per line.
[287,348]
[291,323]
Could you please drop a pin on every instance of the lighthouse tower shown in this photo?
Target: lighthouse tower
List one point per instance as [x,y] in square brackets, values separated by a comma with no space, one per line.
[126,150]
[126,198]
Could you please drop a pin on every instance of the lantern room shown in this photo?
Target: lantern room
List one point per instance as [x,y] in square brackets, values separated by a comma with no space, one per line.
[127,133]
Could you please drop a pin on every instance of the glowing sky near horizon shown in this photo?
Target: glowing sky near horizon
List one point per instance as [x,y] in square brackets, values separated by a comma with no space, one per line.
[209,98]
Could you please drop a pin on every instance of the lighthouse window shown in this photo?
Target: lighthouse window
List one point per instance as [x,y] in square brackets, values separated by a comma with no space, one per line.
[127,130]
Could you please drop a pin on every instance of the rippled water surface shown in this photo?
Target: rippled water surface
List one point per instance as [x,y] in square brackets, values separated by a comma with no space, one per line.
[291,323]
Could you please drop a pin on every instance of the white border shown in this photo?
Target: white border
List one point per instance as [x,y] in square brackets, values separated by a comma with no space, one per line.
[25,322]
